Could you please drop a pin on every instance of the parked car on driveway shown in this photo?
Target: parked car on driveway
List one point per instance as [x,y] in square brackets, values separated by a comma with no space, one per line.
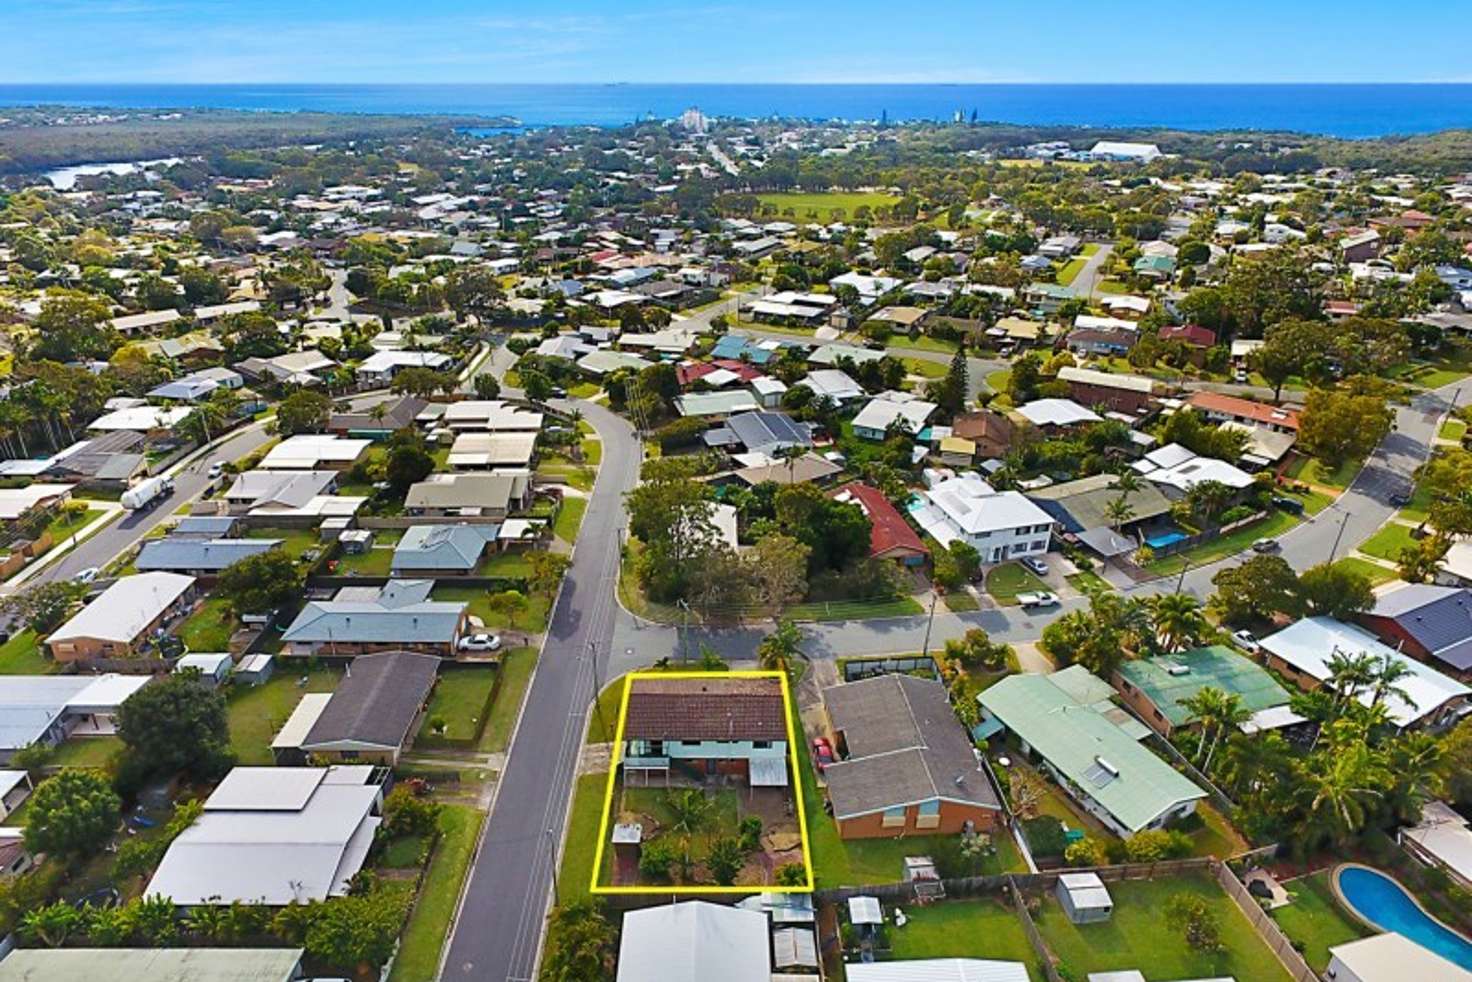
[1400,499]
[479,642]
[822,753]
[1032,565]
[1245,641]
[1041,599]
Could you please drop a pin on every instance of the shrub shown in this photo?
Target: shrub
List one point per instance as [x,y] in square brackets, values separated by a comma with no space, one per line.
[751,834]
[1045,835]
[656,859]
[1086,852]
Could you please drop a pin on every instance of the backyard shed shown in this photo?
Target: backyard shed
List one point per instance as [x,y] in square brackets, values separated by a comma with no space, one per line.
[255,669]
[213,666]
[1084,898]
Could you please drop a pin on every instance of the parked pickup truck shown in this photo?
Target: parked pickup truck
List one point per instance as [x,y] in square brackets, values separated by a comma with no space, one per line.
[1042,599]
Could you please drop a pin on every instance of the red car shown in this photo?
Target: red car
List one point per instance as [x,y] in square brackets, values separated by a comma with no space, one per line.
[822,753]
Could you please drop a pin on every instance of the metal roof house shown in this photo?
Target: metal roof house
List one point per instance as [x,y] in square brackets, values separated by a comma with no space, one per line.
[442,550]
[124,615]
[1301,651]
[908,766]
[1102,767]
[361,620]
[152,964]
[694,941]
[1433,623]
[761,432]
[1157,688]
[274,836]
[198,557]
[47,709]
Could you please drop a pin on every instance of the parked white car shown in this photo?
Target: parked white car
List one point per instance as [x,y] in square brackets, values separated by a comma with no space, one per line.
[1245,641]
[1041,599]
[479,642]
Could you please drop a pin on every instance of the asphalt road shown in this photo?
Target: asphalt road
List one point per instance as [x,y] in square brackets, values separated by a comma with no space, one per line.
[1083,284]
[498,929]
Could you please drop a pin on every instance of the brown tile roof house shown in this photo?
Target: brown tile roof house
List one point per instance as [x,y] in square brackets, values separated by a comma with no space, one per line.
[705,709]
[1219,407]
[910,767]
[373,710]
[991,432]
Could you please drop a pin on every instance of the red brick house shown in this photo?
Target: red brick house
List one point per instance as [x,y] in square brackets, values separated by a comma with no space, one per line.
[906,765]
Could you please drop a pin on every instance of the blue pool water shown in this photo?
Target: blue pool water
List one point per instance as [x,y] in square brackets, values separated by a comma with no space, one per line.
[1382,901]
[1164,539]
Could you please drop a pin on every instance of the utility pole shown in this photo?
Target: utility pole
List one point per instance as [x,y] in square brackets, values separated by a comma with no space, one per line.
[684,631]
[1338,535]
[1181,580]
[556,889]
[597,686]
[930,621]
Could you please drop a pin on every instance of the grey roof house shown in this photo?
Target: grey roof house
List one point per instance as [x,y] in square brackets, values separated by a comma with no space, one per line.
[1430,622]
[760,432]
[439,550]
[361,620]
[371,714]
[198,557]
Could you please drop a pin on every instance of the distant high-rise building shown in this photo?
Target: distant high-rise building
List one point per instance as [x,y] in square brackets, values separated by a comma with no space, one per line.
[693,120]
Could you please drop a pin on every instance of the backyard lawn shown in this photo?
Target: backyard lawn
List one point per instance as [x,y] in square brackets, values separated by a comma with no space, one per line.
[1138,936]
[208,628]
[87,751]
[1006,581]
[1388,542]
[21,655]
[963,929]
[516,672]
[257,713]
[1315,920]
[570,518]
[533,619]
[294,541]
[459,700]
[419,947]
[1275,524]
[377,560]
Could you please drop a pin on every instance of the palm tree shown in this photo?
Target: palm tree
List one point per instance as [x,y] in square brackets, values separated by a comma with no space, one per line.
[1318,706]
[791,455]
[1415,764]
[1348,674]
[1127,483]
[1118,511]
[1218,712]
[1231,715]
[1209,499]
[690,812]
[777,650]
[1390,670]
[1339,786]
[1249,763]
[1177,620]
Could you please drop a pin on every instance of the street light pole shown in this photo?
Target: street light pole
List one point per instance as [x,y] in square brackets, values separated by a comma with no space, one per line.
[1181,580]
[556,889]
[1338,535]
[597,687]
[925,648]
[684,631]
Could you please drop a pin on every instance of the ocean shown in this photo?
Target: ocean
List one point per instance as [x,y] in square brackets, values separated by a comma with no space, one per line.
[1350,110]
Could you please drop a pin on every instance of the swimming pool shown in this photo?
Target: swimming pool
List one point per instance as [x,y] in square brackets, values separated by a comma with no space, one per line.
[1164,539]
[1384,903]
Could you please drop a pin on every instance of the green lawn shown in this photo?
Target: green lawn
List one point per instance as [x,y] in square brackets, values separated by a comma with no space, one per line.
[582,836]
[402,853]
[603,717]
[1111,286]
[1006,581]
[377,560]
[419,947]
[1375,573]
[257,713]
[592,451]
[534,618]
[294,541]
[512,564]
[1070,270]
[1000,380]
[516,672]
[579,476]
[1275,524]
[62,527]
[1315,920]
[883,860]
[924,368]
[1089,582]
[459,698]
[853,610]
[963,929]
[922,343]
[1313,471]
[824,203]
[1138,937]
[1216,837]
[570,518]
[1313,502]
[208,628]
[961,601]
[21,655]
[87,751]
[1453,429]
[1388,542]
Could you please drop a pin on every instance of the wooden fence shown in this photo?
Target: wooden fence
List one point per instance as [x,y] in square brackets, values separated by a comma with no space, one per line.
[1262,922]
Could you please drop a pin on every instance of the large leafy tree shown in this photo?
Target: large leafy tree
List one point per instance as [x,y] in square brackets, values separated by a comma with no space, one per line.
[1256,590]
[1335,590]
[1339,426]
[261,582]
[581,943]
[177,726]
[304,411]
[72,814]
[73,326]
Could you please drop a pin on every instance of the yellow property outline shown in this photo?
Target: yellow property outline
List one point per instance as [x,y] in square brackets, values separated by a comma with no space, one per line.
[618,745]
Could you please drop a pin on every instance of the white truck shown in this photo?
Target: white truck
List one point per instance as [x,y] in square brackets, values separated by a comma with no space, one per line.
[1040,599]
[146,494]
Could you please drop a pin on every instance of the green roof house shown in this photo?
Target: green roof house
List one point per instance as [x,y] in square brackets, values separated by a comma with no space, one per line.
[1159,267]
[1157,688]
[1101,766]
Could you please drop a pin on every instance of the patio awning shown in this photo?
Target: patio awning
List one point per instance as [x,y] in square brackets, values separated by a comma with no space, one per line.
[1106,542]
[768,773]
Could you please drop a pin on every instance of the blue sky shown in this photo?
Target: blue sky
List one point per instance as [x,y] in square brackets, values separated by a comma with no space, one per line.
[752,41]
